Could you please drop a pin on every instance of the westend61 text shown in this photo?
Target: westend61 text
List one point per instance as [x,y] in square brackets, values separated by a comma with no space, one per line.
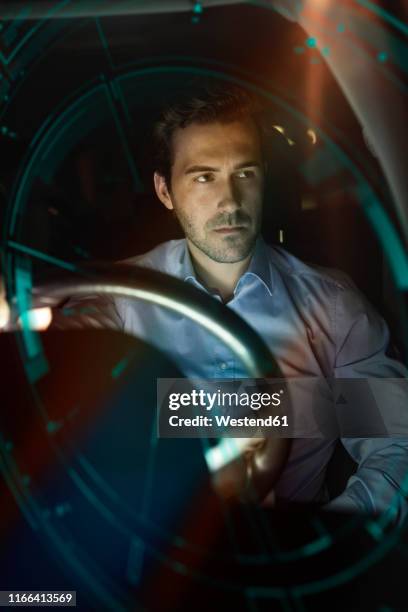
[227,421]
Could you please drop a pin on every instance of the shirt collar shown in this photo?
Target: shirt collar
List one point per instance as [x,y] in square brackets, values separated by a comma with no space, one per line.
[258,267]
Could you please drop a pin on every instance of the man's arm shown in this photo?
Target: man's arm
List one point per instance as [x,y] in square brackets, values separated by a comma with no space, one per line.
[381,481]
[362,342]
[90,311]
[94,311]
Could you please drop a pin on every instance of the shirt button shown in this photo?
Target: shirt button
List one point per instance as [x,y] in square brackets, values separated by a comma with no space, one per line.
[223,366]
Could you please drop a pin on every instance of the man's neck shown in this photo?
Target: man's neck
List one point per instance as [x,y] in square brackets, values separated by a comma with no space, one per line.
[222,277]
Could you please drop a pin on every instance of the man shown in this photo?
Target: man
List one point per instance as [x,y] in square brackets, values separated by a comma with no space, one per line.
[210,172]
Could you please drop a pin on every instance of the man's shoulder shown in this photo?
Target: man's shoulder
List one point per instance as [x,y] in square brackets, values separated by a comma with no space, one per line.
[291,267]
[165,257]
[324,287]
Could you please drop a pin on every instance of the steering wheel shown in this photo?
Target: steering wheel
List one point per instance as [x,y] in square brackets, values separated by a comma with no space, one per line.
[251,474]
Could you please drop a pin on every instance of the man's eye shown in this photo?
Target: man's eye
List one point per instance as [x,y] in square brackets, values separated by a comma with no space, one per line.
[245,174]
[203,178]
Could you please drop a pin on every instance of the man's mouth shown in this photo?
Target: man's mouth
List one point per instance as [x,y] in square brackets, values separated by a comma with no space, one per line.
[229,229]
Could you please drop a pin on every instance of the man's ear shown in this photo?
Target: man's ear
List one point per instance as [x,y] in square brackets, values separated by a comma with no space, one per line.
[162,191]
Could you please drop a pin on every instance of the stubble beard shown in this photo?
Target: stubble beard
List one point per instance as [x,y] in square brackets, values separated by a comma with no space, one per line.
[221,248]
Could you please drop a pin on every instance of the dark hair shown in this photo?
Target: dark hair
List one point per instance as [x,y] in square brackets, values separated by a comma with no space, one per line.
[223,102]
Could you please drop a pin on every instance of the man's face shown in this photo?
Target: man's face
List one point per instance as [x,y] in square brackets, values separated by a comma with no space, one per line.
[216,187]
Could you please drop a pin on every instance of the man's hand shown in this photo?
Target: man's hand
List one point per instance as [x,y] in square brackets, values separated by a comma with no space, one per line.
[38,318]
[4,307]
[251,475]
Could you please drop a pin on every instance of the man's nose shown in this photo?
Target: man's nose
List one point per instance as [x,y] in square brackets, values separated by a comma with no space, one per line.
[229,196]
